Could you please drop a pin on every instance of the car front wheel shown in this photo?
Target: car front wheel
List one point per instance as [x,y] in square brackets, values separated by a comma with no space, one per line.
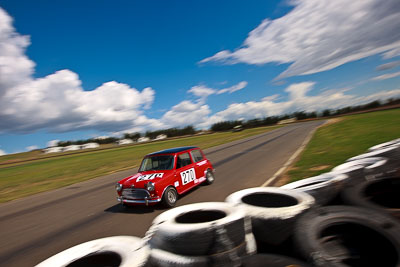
[210,177]
[169,198]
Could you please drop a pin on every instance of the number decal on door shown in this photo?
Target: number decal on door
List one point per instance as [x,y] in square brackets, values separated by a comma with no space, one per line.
[188,176]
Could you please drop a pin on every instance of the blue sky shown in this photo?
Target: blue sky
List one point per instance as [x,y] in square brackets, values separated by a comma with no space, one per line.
[80,69]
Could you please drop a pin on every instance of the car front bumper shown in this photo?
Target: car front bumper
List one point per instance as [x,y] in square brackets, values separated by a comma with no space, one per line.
[145,201]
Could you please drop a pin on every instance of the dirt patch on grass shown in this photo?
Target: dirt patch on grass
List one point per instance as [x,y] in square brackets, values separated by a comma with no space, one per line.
[320,168]
[284,178]
[331,121]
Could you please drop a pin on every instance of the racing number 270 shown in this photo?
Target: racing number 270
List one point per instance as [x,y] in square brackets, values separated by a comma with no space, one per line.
[188,176]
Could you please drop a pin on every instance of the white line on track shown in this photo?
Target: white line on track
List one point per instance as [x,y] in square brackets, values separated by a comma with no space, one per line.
[291,159]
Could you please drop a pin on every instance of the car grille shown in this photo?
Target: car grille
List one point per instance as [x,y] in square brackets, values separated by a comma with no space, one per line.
[135,193]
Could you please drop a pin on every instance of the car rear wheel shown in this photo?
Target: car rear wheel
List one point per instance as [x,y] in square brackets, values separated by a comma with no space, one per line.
[169,198]
[209,177]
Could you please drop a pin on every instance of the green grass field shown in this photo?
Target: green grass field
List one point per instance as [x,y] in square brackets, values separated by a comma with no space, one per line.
[332,144]
[19,179]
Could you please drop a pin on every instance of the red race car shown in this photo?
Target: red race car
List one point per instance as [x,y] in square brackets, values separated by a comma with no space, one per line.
[164,175]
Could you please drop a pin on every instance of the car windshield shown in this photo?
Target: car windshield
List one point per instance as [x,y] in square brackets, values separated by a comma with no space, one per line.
[157,163]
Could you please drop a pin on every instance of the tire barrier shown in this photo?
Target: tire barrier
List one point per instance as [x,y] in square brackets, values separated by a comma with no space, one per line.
[381,195]
[272,210]
[392,153]
[122,251]
[385,145]
[284,225]
[323,188]
[162,258]
[348,236]
[199,229]
[366,168]
[272,260]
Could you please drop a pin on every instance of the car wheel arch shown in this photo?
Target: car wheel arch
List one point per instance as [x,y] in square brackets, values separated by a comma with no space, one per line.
[168,186]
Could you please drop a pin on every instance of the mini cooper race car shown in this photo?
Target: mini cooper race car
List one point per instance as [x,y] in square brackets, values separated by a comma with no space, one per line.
[164,175]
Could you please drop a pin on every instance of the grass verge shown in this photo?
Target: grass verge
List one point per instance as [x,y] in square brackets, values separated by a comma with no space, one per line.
[332,144]
[26,178]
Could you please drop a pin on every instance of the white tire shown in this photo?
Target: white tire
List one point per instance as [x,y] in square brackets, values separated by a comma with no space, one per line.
[123,251]
[323,187]
[199,229]
[272,210]
[390,152]
[365,168]
[162,258]
[384,145]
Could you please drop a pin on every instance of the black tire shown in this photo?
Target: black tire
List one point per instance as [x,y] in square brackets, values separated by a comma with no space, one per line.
[272,210]
[209,177]
[199,229]
[348,236]
[380,195]
[123,251]
[162,258]
[323,188]
[170,197]
[272,260]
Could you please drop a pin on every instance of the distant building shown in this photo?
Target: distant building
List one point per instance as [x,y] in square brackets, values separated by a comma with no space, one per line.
[237,128]
[143,139]
[287,121]
[125,141]
[161,136]
[89,145]
[101,137]
[54,149]
[72,148]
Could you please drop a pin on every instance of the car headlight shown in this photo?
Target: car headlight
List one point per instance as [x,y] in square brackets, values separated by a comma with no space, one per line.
[118,187]
[150,186]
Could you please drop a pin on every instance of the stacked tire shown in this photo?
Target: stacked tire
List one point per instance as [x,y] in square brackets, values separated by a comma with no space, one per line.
[116,251]
[201,234]
[273,211]
[365,229]
[348,236]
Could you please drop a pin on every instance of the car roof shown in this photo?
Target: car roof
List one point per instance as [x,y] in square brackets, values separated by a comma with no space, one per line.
[172,150]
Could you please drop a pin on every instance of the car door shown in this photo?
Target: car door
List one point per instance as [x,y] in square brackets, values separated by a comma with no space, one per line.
[186,173]
[200,164]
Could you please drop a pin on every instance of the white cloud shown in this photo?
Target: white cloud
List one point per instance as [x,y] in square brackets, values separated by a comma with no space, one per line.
[52,143]
[195,112]
[15,66]
[29,148]
[57,102]
[234,88]
[389,65]
[386,76]
[271,98]
[298,100]
[2,152]
[392,53]
[203,92]
[321,35]
[186,113]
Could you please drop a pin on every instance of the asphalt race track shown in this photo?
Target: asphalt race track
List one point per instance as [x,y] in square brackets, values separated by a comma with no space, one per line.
[37,227]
